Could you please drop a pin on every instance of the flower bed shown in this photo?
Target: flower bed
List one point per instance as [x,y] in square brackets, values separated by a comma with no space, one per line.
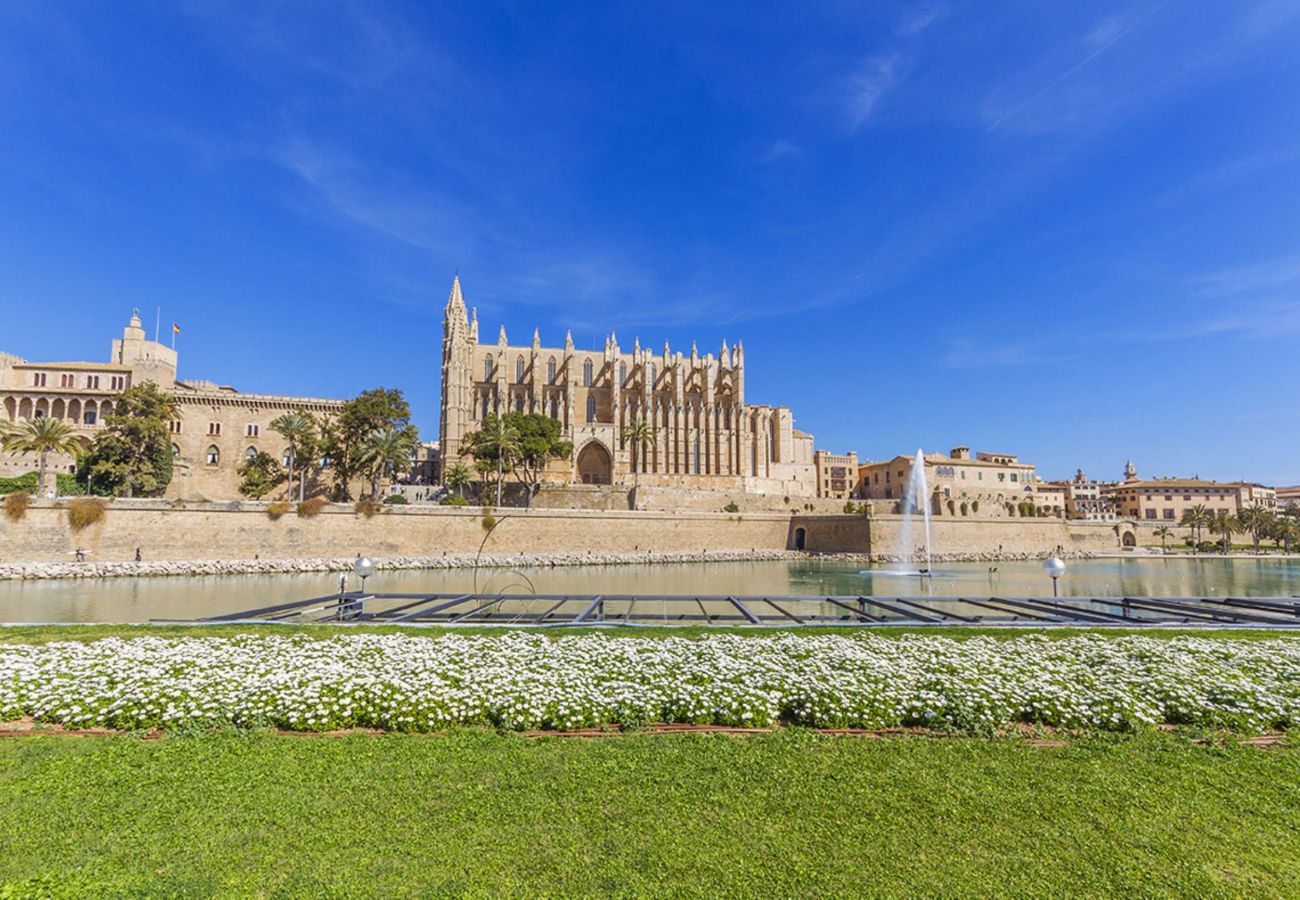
[528,681]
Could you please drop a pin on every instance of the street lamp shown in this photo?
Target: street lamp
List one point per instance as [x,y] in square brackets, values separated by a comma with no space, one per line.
[364,567]
[1055,568]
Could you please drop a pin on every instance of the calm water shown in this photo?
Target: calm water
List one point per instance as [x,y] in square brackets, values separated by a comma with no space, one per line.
[139,600]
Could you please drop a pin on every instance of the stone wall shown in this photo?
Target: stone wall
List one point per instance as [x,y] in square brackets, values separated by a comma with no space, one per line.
[166,531]
[244,531]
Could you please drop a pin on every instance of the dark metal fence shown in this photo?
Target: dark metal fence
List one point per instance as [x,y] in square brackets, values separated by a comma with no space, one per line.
[552,610]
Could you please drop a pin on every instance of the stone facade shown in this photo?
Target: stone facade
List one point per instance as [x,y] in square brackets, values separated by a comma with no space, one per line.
[1164,500]
[218,428]
[988,485]
[1087,498]
[837,476]
[706,435]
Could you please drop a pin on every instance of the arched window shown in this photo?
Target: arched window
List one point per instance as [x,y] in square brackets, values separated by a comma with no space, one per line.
[622,373]
[555,407]
[176,451]
[213,455]
[487,370]
[250,454]
[519,403]
[550,370]
[591,407]
[650,377]
[519,370]
[586,373]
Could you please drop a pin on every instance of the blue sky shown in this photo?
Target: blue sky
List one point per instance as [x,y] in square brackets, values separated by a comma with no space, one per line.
[1070,231]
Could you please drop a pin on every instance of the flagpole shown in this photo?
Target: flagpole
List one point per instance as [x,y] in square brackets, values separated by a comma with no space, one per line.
[157,325]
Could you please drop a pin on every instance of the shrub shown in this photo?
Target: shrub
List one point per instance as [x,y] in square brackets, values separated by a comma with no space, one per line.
[975,506]
[488,521]
[732,507]
[396,500]
[85,511]
[312,507]
[453,500]
[368,508]
[16,505]
[278,509]
[965,508]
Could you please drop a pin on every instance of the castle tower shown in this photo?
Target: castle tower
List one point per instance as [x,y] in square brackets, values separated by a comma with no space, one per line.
[149,360]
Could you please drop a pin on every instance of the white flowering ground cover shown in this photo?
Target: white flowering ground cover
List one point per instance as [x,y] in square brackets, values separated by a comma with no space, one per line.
[527,681]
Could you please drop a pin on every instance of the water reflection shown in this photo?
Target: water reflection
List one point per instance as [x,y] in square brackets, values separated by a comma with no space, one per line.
[139,600]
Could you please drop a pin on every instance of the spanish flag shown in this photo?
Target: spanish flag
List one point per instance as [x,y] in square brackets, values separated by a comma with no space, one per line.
[176,329]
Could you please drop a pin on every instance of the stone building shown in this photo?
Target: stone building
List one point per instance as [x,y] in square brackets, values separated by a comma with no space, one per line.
[837,476]
[1166,499]
[219,427]
[988,485]
[706,436]
[1086,498]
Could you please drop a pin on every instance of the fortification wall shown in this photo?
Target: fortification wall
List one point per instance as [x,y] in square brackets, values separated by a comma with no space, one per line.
[245,531]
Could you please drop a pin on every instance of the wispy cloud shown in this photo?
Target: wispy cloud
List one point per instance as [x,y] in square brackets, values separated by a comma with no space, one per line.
[865,88]
[968,354]
[920,17]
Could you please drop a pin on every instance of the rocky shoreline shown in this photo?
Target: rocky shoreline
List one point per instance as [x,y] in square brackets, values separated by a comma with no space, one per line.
[33,571]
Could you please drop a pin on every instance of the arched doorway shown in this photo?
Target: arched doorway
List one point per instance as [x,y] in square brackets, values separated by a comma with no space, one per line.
[1129,540]
[595,465]
[800,538]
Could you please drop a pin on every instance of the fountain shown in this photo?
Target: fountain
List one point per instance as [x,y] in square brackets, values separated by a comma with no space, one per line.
[917,496]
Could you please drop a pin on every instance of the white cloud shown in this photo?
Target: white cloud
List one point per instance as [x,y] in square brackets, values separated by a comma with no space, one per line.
[865,89]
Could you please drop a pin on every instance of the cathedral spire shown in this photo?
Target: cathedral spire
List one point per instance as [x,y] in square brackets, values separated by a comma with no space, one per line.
[455,302]
[537,339]
[501,337]
[568,340]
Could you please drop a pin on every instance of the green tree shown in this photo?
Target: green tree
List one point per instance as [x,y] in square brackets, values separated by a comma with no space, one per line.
[299,429]
[343,436]
[496,443]
[1197,518]
[382,452]
[638,433]
[538,441]
[260,475]
[1164,534]
[42,436]
[1225,523]
[133,454]
[456,476]
[1255,521]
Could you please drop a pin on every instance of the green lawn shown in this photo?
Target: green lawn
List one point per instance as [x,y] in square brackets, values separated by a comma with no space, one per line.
[778,814]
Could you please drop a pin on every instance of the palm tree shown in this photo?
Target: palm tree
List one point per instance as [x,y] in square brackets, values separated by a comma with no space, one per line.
[1255,520]
[383,450]
[638,433]
[44,436]
[456,476]
[1197,518]
[497,441]
[297,428]
[1225,523]
[1164,534]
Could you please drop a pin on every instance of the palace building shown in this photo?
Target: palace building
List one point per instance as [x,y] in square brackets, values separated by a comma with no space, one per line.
[705,434]
[218,429]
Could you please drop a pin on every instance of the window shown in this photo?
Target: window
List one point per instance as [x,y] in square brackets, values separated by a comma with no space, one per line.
[591,408]
[586,373]
[650,377]
[214,428]
[38,379]
[519,370]
[555,407]
[68,381]
[622,373]
[1151,513]
[1169,513]
[550,370]
[213,455]
[1002,476]
[174,426]
[519,403]
[92,382]
[117,382]
[250,454]
[89,418]
[176,451]
[487,370]
[1014,477]
[251,431]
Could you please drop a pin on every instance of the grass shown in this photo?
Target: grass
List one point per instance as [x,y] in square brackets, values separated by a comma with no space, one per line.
[792,813]
[85,511]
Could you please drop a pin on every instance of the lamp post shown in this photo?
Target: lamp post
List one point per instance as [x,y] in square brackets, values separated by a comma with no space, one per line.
[1055,568]
[364,567]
